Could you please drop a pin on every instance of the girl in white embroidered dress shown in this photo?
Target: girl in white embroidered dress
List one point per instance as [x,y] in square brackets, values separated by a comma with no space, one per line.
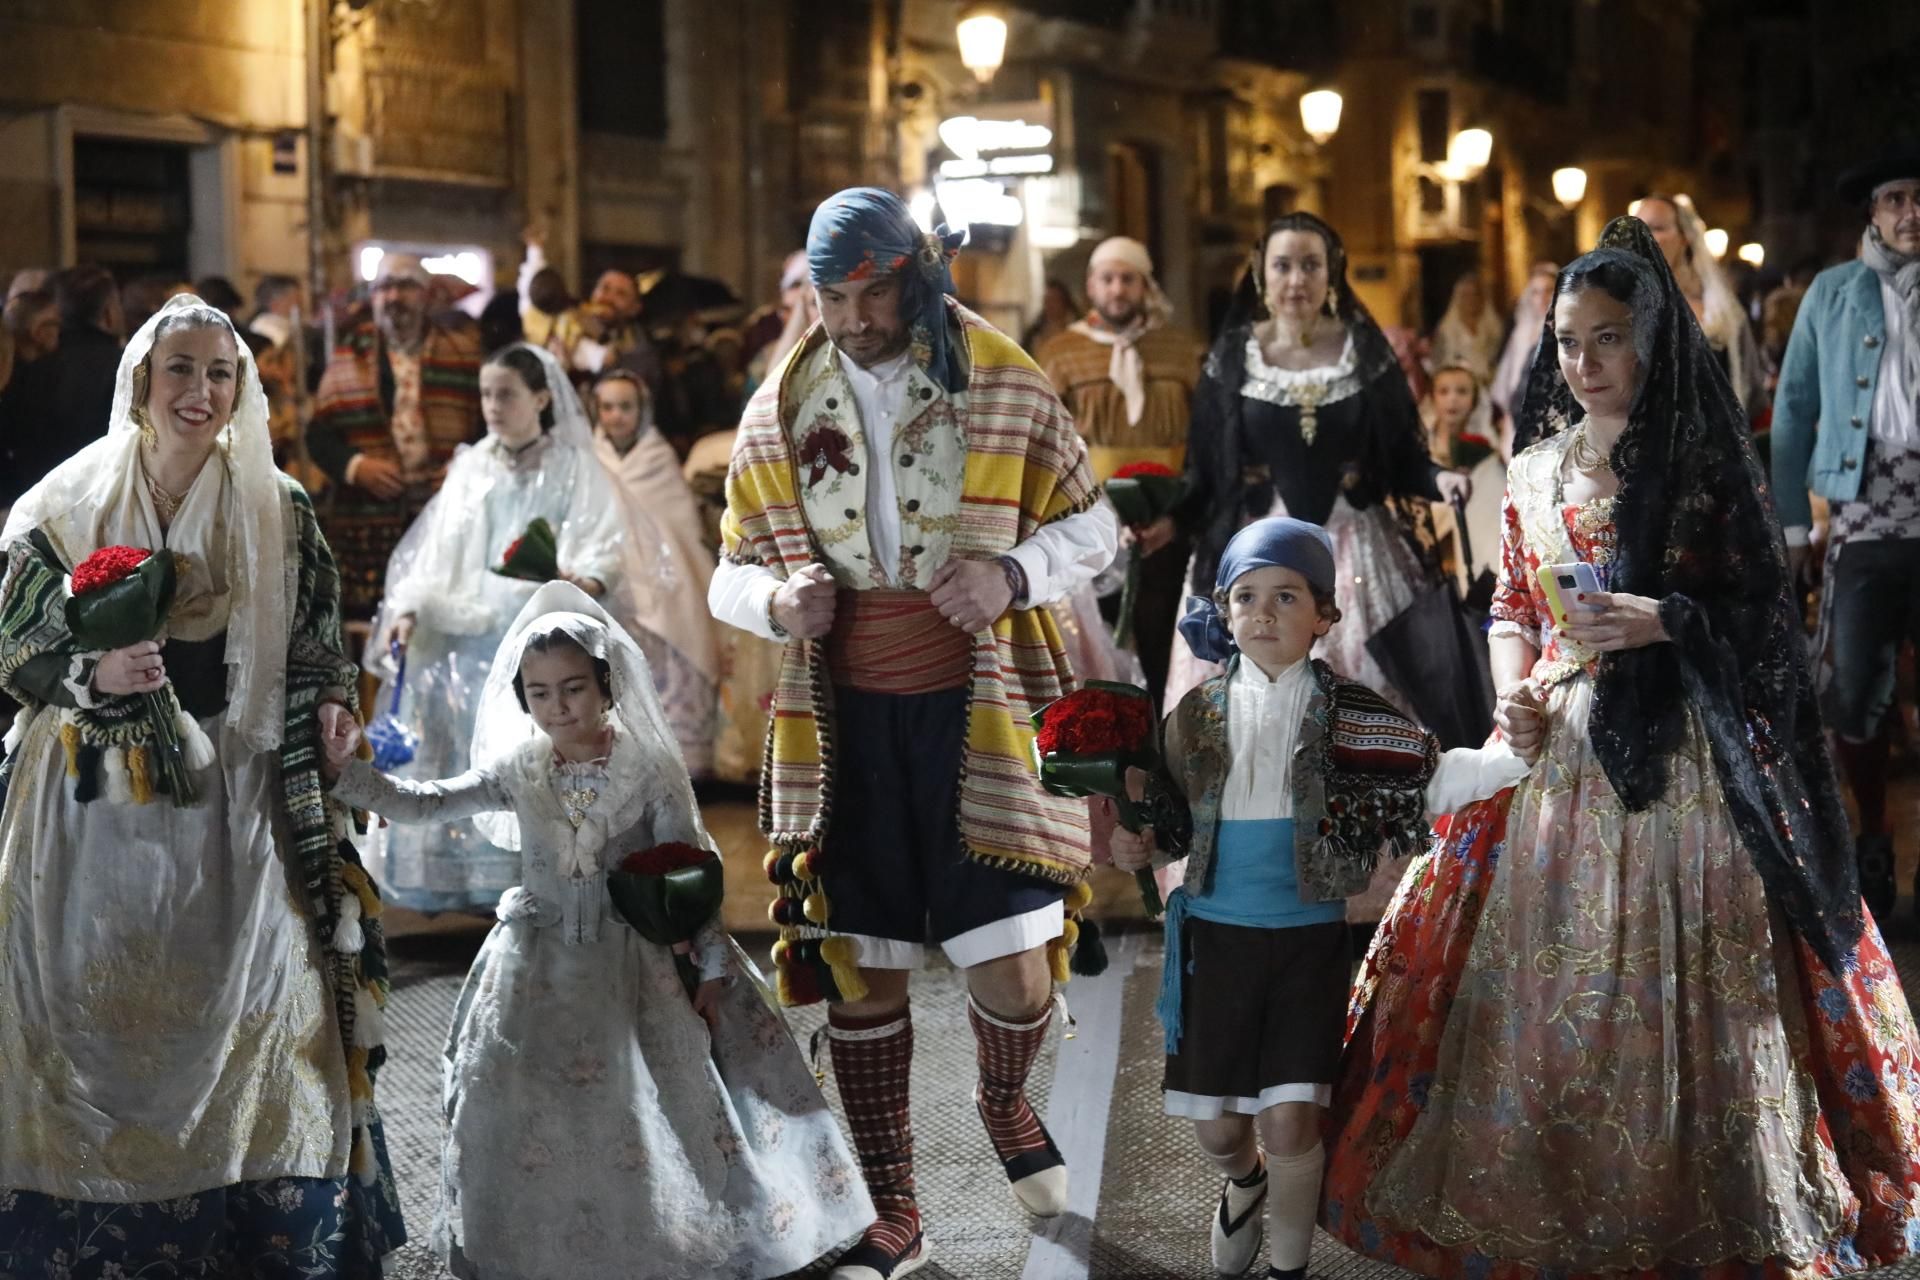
[599,1123]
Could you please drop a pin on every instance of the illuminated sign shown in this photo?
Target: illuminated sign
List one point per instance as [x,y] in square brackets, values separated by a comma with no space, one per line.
[475,266]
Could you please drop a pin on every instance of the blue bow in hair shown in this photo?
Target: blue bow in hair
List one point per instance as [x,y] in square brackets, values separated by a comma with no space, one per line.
[1206,631]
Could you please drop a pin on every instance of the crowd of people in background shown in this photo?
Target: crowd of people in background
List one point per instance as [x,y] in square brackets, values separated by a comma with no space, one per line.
[370,396]
[852,545]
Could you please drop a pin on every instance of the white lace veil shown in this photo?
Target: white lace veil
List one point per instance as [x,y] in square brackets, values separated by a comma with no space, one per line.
[647,765]
[571,425]
[83,499]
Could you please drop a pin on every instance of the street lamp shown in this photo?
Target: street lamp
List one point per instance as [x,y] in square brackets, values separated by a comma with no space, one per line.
[1320,113]
[1570,186]
[1469,152]
[1753,255]
[983,39]
[1716,239]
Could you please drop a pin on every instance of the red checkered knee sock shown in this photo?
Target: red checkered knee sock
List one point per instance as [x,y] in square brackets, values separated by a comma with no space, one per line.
[1006,1052]
[872,1058]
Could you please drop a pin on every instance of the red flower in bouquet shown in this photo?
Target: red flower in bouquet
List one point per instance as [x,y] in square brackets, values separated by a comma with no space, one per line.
[1083,745]
[121,596]
[107,566]
[534,556]
[1094,721]
[1134,470]
[662,858]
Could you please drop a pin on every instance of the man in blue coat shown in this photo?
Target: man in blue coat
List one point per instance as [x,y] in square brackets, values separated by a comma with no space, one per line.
[1845,426]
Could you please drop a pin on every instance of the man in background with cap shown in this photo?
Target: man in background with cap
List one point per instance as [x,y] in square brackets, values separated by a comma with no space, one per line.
[906,491]
[1127,375]
[401,391]
[1846,425]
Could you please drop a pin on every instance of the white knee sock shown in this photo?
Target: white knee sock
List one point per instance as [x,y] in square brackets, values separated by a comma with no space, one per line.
[1293,1199]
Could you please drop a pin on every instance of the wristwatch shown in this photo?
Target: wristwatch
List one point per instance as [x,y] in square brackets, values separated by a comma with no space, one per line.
[780,632]
[1016,580]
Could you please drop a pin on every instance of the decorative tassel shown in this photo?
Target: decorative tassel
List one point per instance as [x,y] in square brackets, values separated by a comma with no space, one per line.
[369,1022]
[70,741]
[356,878]
[348,937]
[841,955]
[359,1083]
[113,765]
[1057,962]
[1090,951]
[364,1166]
[140,774]
[194,743]
[86,786]
[1176,963]
[815,906]
[806,866]
[1078,898]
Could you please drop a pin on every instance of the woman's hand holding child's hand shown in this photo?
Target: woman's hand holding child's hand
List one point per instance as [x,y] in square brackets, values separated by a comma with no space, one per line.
[1518,710]
[339,737]
[706,999]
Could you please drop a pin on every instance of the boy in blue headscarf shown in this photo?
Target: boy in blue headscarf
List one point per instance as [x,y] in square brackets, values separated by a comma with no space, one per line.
[1296,780]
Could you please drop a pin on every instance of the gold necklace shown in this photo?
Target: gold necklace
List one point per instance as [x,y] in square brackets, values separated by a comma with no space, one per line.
[1586,455]
[166,504]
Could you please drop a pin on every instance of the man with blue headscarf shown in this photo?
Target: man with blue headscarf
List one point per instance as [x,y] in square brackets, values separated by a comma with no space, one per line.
[906,495]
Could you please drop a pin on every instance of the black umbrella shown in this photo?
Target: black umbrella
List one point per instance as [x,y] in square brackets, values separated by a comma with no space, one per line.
[1434,653]
[673,295]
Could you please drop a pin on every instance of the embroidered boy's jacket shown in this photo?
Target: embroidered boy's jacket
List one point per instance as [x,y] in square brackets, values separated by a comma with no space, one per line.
[1360,770]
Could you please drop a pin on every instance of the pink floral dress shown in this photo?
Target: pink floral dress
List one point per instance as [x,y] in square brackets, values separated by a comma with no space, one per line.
[1585,1041]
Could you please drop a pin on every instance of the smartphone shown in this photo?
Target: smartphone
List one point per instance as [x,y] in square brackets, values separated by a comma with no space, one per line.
[1563,583]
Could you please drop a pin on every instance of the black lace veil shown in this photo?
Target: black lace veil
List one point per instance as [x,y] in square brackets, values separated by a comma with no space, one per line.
[1373,354]
[1696,531]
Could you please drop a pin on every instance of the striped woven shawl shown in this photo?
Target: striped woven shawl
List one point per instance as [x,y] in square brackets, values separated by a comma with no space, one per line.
[1025,467]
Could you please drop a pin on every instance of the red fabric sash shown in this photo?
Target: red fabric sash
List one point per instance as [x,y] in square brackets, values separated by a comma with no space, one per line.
[896,642]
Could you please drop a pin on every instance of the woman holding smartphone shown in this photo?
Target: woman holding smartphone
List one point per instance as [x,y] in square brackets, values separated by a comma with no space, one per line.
[1631,1015]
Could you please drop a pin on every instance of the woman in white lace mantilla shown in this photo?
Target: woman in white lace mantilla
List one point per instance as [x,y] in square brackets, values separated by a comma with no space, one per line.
[599,1122]
[445,609]
[189,1002]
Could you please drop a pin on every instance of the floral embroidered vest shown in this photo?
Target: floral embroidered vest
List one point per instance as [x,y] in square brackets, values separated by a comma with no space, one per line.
[832,453]
[1359,774]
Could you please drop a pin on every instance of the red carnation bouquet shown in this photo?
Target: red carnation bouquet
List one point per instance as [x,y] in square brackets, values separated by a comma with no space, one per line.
[1141,493]
[534,556]
[1084,744]
[667,893]
[121,596]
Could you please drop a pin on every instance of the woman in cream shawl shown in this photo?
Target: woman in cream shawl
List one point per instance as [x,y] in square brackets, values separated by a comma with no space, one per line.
[189,996]
[667,563]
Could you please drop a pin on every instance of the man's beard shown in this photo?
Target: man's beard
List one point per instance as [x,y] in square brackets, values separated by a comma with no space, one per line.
[402,327]
[1119,320]
[872,347]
